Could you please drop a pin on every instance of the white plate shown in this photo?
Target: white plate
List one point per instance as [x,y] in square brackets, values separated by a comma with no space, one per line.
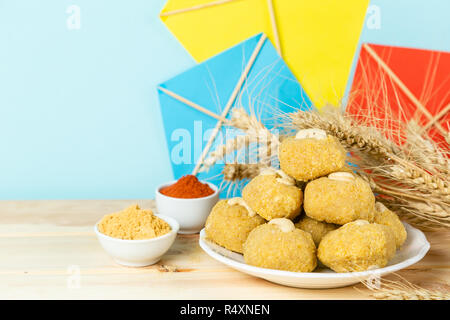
[413,250]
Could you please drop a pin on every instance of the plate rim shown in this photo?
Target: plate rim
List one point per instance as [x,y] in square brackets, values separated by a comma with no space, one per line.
[311,275]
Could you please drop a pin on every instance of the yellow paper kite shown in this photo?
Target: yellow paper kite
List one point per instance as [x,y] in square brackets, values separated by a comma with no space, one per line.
[317,39]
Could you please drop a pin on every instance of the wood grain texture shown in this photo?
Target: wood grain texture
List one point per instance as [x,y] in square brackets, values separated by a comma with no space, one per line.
[45,244]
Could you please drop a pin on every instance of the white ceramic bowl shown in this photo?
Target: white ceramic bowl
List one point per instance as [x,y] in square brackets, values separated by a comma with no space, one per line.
[191,214]
[414,249]
[139,253]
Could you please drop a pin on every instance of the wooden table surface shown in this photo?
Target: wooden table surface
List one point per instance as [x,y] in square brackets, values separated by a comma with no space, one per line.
[48,250]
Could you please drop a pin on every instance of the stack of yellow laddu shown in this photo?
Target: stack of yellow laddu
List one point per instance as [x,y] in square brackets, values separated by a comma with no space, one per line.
[313,208]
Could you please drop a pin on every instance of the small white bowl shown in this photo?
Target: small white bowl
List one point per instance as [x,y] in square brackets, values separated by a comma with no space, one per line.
[139,253]
[190,213]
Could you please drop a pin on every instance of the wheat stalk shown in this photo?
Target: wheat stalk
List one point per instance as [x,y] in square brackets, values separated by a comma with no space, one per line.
[427,216]
[419,179]
[254,128]
[351,136]
[238,171]
[413,174]
[235,175]
[433,157]
[223,150]
[254,132]
[403,290]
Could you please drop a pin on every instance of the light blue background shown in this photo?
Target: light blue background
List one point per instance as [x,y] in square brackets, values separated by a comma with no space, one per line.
[79,113]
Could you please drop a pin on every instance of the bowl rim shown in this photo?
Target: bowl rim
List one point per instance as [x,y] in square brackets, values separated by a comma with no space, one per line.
[166,184]
[174,225]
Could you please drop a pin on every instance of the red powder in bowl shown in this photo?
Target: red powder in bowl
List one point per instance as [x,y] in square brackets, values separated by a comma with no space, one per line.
[187,187]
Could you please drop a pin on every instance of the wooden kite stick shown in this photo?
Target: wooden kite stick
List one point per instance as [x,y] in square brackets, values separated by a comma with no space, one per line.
[197,7]
[230,102]
[274,26]
[192,104]
[219,2]
[437,117]
[402,86]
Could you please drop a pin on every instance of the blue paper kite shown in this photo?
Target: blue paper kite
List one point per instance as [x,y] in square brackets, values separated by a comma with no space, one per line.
[250,75]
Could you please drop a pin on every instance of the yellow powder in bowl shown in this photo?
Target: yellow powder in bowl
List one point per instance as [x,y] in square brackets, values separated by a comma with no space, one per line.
[133,223]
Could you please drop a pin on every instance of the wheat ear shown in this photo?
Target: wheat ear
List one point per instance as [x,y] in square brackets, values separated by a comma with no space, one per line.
[254,132]
[238,171]
[403,290]
[405,173]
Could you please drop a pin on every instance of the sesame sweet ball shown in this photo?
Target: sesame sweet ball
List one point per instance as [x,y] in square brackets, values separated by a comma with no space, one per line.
[388,218]
[309,158]
[317,229]
[339,198]
[229,225]
[281,247]
[357,246]
[271,199]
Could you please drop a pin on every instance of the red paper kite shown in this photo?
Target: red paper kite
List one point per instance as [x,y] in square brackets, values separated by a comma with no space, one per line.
[403,84]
